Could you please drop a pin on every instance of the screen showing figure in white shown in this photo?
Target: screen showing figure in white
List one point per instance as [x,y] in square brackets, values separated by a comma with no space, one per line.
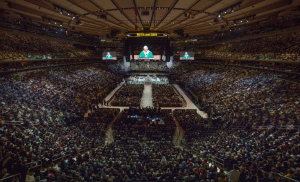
[186,56]
[146,53]
[108,56]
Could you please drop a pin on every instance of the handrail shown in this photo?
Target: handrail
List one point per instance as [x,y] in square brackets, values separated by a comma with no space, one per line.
[33,162]
[19,174]
[211,157]
[45,67]
[290,179]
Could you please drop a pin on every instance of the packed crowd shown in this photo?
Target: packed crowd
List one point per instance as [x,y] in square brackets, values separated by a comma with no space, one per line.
[192,124]
[253,124]
[148,66]
[166,96]
[37,147]
[16,47]
[54,95]
[118,67]
[128,95]
[277,47]
[96,122]
[238,32]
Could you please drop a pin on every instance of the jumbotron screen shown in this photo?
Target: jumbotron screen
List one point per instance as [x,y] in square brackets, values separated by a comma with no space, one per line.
[187,55]
[109,55]
[147,52]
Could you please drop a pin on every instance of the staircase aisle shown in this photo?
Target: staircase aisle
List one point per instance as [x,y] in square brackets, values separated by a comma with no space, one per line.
[147,99]
[109,137]
[179,133]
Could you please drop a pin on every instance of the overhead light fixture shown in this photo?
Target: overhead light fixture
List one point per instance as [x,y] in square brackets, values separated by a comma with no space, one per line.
[68,14]
[241,21]
[55,23]
[219,16]
[225,12]
[61,12]
[232,10]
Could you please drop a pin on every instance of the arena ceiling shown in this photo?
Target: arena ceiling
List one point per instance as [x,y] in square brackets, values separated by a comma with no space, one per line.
[194,17]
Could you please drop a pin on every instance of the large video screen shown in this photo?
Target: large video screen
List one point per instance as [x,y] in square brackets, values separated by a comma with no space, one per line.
[187,55]
[147,52]
[109,55]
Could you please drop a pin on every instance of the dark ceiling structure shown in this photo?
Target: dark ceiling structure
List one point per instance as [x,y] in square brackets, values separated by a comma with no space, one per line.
[194,17]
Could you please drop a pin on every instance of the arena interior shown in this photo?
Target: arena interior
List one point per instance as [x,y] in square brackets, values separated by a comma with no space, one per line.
[146,91]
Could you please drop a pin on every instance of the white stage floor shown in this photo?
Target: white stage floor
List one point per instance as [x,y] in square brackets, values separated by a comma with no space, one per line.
[147,100]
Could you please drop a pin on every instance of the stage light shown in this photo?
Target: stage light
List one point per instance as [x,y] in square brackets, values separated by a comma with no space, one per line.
[74,17]
[225,12]
[241,21]
[219,16]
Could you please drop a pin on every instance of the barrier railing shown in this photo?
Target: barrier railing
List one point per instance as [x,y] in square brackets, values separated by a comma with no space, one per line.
[208,157]
[44,67]
[11,176]
[287,179]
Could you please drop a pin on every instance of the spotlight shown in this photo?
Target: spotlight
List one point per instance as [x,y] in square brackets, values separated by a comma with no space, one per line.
[74,17]
[68,14]
[61,12]
[241,21]
[219,16]
[225,12]
[230,30]
[232,10]
[49,22]
[55,23]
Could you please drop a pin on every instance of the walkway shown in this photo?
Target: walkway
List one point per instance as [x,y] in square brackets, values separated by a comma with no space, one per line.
[114,91]
[178,135]
[189,103]
[147,99]
[109,137]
